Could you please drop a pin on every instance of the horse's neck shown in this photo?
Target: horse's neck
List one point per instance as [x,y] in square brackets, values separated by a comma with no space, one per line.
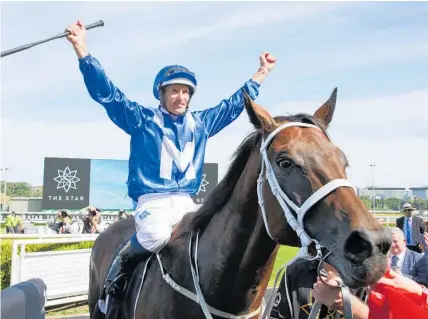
[236,254]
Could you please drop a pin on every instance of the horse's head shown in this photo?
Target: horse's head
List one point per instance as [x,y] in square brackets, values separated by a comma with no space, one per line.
[307,179]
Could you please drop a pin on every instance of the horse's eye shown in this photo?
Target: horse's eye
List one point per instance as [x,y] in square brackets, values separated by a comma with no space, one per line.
[284,163]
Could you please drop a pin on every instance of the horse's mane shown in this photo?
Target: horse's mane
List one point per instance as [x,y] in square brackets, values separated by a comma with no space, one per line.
[199,219]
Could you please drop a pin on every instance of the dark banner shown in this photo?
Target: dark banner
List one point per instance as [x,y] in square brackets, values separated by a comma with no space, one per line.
[73,183]
[66,183]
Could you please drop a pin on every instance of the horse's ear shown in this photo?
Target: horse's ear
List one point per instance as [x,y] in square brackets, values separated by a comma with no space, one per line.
[259,117]
[326,111]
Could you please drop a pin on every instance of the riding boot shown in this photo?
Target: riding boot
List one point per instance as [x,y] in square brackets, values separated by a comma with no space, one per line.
[124,263]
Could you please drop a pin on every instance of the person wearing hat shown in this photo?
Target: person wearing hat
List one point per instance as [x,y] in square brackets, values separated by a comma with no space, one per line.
[168,144]
[411,227]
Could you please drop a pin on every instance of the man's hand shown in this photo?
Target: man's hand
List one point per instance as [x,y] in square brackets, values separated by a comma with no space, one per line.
[77,33]
[327,295]
[77,37]
[400,282]
[267,60]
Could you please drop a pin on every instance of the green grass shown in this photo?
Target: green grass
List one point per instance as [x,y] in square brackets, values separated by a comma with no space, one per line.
[284,255]
[75,309]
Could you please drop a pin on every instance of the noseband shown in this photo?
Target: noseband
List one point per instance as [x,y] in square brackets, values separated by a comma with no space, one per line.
[297,224]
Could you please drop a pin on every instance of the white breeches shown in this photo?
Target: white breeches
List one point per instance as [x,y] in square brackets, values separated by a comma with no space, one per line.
[156,215]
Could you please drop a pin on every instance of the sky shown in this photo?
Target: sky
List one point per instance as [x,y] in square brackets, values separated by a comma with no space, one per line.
[108,184]
[374,52]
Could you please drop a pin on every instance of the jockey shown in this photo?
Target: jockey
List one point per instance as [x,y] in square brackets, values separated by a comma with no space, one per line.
[167,147]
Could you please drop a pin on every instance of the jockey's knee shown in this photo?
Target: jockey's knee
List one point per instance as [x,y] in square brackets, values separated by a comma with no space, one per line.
[154,242]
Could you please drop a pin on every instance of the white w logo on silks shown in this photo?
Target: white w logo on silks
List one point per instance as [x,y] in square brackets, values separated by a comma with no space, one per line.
[170,153]
[183,160]
[296,225]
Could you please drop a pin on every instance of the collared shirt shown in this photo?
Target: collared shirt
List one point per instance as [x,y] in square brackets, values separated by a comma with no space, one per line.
[400,260]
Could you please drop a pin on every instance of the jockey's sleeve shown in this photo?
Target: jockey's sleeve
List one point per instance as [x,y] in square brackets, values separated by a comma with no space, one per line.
[127,115]
[218,117]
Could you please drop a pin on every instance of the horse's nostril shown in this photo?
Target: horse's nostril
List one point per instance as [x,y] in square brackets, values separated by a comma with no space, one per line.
[358,246]
[384,242]
[384,247]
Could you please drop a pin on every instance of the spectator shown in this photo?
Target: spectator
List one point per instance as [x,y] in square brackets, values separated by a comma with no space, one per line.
[122,214]
[405,261]
[411,227]
[100,225]
[57,222]
[10,223]
[67,225]
[296,286]
[411,271]
[19,227]
[393,297]
[92,222]
[424,239]
[398,297]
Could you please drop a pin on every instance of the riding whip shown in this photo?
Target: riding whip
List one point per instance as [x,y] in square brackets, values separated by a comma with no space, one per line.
[64,34]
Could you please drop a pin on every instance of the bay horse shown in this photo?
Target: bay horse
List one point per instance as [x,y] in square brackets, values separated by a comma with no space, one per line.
[286,185]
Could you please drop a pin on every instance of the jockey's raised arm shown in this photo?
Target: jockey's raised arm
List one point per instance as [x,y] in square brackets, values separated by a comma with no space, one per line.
[167,147]
[126,114]
[217,118]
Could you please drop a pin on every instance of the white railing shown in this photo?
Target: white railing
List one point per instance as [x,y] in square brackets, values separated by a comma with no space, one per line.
[65,273]
[49,217]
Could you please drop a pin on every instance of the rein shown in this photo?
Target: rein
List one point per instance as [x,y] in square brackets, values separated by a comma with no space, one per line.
[199,297]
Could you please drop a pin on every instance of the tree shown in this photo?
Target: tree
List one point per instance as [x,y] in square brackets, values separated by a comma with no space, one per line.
[420,204]
[393,203]
[38,192]
[367,201]
[21,189]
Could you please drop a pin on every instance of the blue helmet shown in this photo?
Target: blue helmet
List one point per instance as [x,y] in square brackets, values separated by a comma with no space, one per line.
[174,74]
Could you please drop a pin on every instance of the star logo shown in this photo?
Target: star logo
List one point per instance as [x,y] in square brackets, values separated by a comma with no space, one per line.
[66,179]
[204,183]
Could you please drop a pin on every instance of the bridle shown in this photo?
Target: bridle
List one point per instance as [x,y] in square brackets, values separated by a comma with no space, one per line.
[286,203]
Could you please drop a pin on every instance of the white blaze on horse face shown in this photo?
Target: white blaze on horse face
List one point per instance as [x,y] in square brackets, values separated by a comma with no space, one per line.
[183,160]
